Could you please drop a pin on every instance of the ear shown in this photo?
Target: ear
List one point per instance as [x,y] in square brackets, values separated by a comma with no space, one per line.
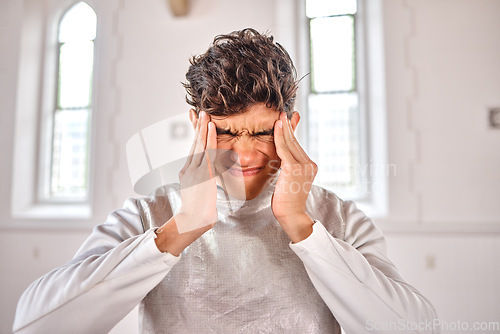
[193,117]
[295,120]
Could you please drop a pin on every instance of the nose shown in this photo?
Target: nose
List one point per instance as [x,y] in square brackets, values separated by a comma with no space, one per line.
[244,151]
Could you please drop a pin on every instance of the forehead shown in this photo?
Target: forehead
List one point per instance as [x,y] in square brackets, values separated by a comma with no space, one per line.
[256,116]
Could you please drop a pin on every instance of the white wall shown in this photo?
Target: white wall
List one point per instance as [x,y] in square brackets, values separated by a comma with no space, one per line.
[442,73]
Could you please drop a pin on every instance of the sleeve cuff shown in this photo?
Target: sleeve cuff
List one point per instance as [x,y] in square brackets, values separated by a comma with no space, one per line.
[317,241]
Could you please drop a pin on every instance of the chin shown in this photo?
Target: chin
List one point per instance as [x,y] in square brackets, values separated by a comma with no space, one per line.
[242,188]
[252,193]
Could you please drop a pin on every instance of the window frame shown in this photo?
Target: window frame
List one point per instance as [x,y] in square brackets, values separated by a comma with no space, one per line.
[44,183]
[370,84]
[36,95]
[355,89]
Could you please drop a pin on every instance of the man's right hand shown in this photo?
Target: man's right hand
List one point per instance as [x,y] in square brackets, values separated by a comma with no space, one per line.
[198,212]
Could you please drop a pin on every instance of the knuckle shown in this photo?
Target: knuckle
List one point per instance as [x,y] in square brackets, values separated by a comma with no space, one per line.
[315,169]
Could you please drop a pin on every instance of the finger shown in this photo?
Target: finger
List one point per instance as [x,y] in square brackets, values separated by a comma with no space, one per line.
[193,146]
[296,149]
[211,136]
[201,141]
[211,148]
[305,156]
[292,143]
[281,147]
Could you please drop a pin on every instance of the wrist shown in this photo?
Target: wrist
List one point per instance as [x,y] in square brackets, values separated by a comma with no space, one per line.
[169,240]
[166,238]
[298,226]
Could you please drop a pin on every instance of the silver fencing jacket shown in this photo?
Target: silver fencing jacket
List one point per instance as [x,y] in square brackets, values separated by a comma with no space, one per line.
[241,276]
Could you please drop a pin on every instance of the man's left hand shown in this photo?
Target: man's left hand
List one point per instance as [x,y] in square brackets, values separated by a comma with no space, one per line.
[293,184]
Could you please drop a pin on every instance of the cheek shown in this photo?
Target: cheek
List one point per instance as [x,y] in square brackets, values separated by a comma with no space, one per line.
[224,144]
[270,151]
[274,162]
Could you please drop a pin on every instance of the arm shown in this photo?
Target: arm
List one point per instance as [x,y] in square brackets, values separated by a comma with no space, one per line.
[111,273]
[354,277]
[357,281]
[119,264]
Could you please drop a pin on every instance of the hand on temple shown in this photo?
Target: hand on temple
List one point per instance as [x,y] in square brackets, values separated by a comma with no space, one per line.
[198,212]
[294,182]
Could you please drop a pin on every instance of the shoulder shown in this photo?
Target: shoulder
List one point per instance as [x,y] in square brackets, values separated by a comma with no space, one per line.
[129,218]
[325,201]
[325,206]
[343,217]
[136,216]
[120,224]
[361,230]
[323,193]
[159,207]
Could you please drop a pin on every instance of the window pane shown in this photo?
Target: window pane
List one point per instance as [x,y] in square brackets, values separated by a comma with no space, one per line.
[332,54]
[319,8]
[334,139]
[71,129]
[79,23]
[69,155]
[75,74]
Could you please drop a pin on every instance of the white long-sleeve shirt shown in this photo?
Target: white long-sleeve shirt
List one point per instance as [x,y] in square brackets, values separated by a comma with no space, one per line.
[119,264]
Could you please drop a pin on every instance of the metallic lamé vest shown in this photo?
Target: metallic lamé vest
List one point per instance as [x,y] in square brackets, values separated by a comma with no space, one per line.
[241,276]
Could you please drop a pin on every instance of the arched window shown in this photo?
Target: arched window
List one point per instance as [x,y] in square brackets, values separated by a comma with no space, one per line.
[69,158]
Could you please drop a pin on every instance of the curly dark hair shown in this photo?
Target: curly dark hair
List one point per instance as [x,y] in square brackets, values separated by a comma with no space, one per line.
[238,70]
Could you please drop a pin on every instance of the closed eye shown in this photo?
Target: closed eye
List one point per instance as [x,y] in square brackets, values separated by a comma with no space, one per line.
[265,135]
[269,132]
[224,132]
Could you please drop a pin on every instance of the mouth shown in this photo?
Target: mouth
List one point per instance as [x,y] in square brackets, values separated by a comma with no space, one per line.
[249,171]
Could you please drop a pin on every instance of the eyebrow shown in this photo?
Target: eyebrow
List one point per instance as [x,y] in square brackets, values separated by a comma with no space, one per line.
[267,132]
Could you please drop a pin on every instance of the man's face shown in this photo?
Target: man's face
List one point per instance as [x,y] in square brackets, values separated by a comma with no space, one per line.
[252,159]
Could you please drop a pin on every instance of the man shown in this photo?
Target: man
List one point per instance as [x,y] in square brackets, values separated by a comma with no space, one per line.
[237,246]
